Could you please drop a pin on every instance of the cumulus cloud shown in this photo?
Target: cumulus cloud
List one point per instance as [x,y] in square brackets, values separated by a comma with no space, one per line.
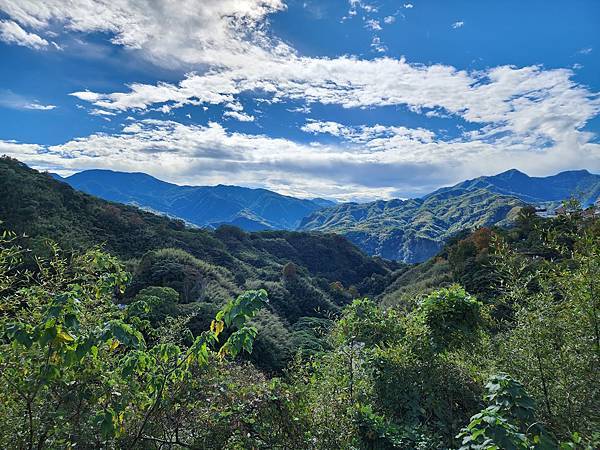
[377,45]
[458,24]
[12,33]
[367,7]
[373,24]
[368,135]
[368,162]
[502,99]
[241,116]
[529,117]
[186,31]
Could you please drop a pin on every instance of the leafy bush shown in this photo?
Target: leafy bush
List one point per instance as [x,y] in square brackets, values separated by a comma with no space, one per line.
[452,316]
[508,421]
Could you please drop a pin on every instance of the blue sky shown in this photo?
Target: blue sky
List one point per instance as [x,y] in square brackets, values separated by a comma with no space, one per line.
[352,100]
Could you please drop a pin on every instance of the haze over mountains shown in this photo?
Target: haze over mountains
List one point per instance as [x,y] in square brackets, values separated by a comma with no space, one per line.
[203,206]
[413,230]
[410,230]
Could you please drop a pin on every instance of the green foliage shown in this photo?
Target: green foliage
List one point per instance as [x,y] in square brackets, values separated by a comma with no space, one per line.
[552,340]
[154,304]
[451,315]
[507,423]
[92,359]
[425,390]
[363,321]
[193,279]
[64,342]
[203,266]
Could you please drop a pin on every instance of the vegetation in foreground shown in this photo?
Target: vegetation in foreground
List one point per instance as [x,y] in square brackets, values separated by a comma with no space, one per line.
[493,344]
[518,370]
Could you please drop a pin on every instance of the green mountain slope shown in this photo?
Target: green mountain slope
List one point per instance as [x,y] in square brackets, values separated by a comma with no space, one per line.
[413,230]
[306,275]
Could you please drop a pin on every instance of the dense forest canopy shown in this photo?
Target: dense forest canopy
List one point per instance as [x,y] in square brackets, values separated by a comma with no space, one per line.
[142,333]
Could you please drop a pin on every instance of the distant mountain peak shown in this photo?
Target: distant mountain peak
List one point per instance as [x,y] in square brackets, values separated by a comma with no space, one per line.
[511,173]
[580,184]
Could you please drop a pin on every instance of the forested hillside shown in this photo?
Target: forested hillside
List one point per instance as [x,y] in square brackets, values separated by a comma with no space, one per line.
[413,230]
[405,230]
[307,276]
[416,229]
[141,333]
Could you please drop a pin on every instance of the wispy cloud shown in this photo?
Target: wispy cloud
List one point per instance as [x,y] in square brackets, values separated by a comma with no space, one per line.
[585,51]
[368,162]
[356,5]
[12,33]
[203,32]
[377,45]
[241,116]
[458,24]
[9,99]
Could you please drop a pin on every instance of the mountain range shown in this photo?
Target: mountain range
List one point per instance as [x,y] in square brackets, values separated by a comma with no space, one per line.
[203,206]
[416,229]
[579,184]
[410,230]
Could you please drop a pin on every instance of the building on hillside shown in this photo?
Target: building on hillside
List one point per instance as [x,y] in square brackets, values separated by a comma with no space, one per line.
[593,210]
[544,212]
[561,211]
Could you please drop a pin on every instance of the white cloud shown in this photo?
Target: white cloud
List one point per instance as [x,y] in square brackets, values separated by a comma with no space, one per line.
[9,99]
[458,24]
[585,51]
[506,99]
[369,162]
[529,117]
[300,109]
[241,116]
[12,33]
[368,135]
[39,107]
[187,31]
[377,45]
[328,127]
[241,57]
[373,24]
[389,20]
[102,112]
[356,5]
[408,5]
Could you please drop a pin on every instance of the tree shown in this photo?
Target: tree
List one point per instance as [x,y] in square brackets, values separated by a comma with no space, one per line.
[452,316]
[64,342]
[552,342]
